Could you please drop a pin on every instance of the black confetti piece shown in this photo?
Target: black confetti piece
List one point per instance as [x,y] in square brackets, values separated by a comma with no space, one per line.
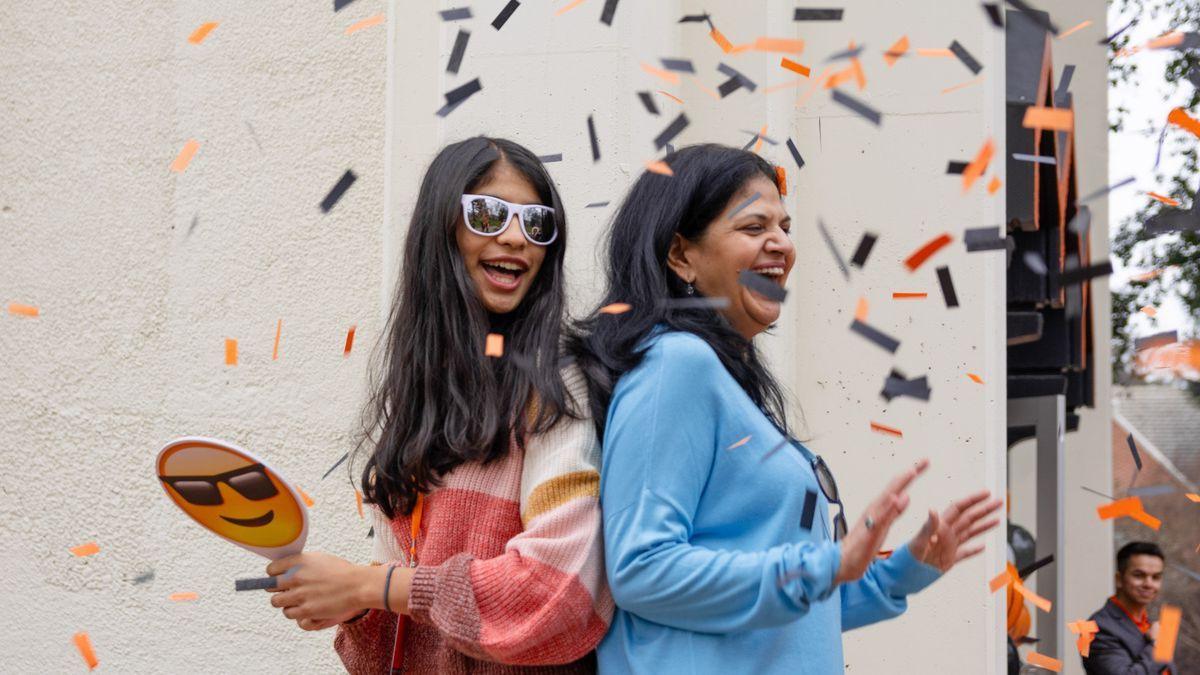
[606,15]
[672,130]
[837,256]
[257,584]
[1040,159]
[1156,340]
[338,5]
[1033,260]
[880,338]
[762,285]
[502,17]
[678,65]
[335,465]
[865,111]
[596,205]
[1152,490]
[984,239]
[1082,274]
[956,167]
[648,101]
[1035,566]
[808,14]
[338,190]
[733,72]
[966,58]
[947,285]
[460,48]
[795,154]
[456,14]
[729,86]
[1037,16]
[849,53]
[144,577]
[864,249]
[783,443]
[1117,34]
[1133,450]
[697,302]
[547,159]
[896,385]
[810,510]
[1081,222]
[746,202]
[993,12]
[1106,189]
[456,96]
[595,141]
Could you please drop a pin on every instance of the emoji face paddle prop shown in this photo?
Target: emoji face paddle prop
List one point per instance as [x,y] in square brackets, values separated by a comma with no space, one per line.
[234,494]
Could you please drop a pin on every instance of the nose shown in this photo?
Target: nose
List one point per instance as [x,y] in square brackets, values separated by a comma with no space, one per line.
[779,242]
[512,236]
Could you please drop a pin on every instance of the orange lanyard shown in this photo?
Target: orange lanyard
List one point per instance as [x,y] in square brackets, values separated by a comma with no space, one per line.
[414,530]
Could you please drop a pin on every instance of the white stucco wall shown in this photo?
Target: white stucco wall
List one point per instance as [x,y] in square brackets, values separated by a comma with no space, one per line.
[136,301]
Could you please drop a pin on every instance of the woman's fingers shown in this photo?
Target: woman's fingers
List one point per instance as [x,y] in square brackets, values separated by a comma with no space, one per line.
[979,529]
[977,513]
[956,509]
[282,565]
[968,552]
[900,483]
[285,599]
[295,612]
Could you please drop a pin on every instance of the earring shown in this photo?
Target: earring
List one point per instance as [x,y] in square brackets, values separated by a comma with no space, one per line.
[691,290]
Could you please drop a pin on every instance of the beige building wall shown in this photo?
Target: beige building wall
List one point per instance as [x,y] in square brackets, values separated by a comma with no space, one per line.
[141,274]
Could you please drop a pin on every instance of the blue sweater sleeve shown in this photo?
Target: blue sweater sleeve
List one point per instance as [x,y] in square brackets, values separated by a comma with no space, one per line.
[882,592]
[659,449]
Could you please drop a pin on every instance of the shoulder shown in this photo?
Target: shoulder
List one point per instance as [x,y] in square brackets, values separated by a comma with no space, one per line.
[681,351]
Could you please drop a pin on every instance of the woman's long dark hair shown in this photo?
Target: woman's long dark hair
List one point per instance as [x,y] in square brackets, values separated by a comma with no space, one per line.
[436,400]
[706,178]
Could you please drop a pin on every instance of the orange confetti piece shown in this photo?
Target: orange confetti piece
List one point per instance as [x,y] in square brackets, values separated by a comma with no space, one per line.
[1043,661]
[926,252]
[795,67]
[358,502]
[909,296]
[1194,497]
[664,75]
[1146,519]
[860,310]
[184,596]
[762,133]
[964,85]
[706,89]
[22,310]
[883,429]
[994,185]
[1162,198]
[1084,644]
[722,41]
[1121,507]
[365,23]
[349,341]
[856,68]
[838,78]
[230,352]
[84,644]
[568,7]
[978,165]
[616,308]
[1056,119]
[897,50]
[1168,632]
[202,32]
[1166,41]
[936,53]
[185,156]
[766,44]
[1181,119]
[84,550]
[1000,581]
[1080,27]
[494,346]
[660,167]
[740,443]
[975,378]
[1038,601]
[671,96]
[1149,311]
[275,349]
[781,180]
[308,501]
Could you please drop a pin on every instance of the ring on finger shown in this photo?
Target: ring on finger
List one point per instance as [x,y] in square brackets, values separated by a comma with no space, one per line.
[869,522]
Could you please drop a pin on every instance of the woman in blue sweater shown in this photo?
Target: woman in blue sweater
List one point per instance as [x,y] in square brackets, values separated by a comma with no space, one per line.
[719,549]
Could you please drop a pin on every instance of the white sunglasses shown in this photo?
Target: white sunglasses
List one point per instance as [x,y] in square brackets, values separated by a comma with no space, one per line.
[489,216]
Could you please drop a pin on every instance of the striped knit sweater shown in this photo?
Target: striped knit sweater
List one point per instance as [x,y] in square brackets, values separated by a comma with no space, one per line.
[510,574]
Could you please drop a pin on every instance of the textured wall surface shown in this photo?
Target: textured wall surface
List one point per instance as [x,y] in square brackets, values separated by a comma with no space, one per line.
[141,274]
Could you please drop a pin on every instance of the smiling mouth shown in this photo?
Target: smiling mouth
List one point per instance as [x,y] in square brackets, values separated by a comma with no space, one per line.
[252,522]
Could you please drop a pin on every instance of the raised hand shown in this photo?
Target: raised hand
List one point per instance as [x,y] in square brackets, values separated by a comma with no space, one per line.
[867,535]
[946,539]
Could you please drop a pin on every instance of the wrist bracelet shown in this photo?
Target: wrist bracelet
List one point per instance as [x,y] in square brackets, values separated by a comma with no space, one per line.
[387,584]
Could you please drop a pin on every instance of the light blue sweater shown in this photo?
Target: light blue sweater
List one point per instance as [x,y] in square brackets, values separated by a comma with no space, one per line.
[707,560]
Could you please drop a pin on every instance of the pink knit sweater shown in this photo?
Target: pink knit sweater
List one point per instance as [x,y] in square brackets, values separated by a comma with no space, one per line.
[510,574]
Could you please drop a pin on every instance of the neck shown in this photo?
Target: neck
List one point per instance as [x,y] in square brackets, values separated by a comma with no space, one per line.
[1132,606]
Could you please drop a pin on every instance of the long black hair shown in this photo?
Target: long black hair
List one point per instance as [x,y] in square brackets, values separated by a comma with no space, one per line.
[436,401]
[706,177]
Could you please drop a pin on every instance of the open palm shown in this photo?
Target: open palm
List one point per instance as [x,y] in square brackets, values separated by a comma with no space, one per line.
[946,539]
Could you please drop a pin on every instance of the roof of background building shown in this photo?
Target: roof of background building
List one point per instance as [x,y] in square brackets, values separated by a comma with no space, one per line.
[1169,417]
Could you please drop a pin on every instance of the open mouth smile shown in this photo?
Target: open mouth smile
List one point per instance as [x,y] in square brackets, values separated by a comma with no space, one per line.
[252,522]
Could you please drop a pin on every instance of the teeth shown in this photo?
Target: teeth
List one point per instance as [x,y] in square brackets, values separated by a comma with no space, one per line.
[770,271]
[512,267]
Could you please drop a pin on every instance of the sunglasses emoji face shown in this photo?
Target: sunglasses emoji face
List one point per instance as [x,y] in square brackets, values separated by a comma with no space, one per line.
[233,494]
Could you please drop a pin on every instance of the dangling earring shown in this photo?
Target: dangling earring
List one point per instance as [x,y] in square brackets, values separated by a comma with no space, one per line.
[691,290]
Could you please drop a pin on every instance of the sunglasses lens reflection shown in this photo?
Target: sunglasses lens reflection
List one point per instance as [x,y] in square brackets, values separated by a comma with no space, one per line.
[839,527]
[198,492]
[539,224]
[253,485]
[486,216]
[825,480]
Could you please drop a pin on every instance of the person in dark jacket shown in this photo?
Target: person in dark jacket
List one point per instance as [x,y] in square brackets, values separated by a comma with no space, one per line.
[1125,643]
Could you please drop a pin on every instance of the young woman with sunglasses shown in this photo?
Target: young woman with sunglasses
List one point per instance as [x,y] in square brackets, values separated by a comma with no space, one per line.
[482,476]
[717,543]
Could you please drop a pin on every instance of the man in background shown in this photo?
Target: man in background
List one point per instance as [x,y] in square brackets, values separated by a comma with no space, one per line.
[1125,643]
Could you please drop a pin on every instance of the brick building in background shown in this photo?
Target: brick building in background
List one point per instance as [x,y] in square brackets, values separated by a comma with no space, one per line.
[1165,422]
